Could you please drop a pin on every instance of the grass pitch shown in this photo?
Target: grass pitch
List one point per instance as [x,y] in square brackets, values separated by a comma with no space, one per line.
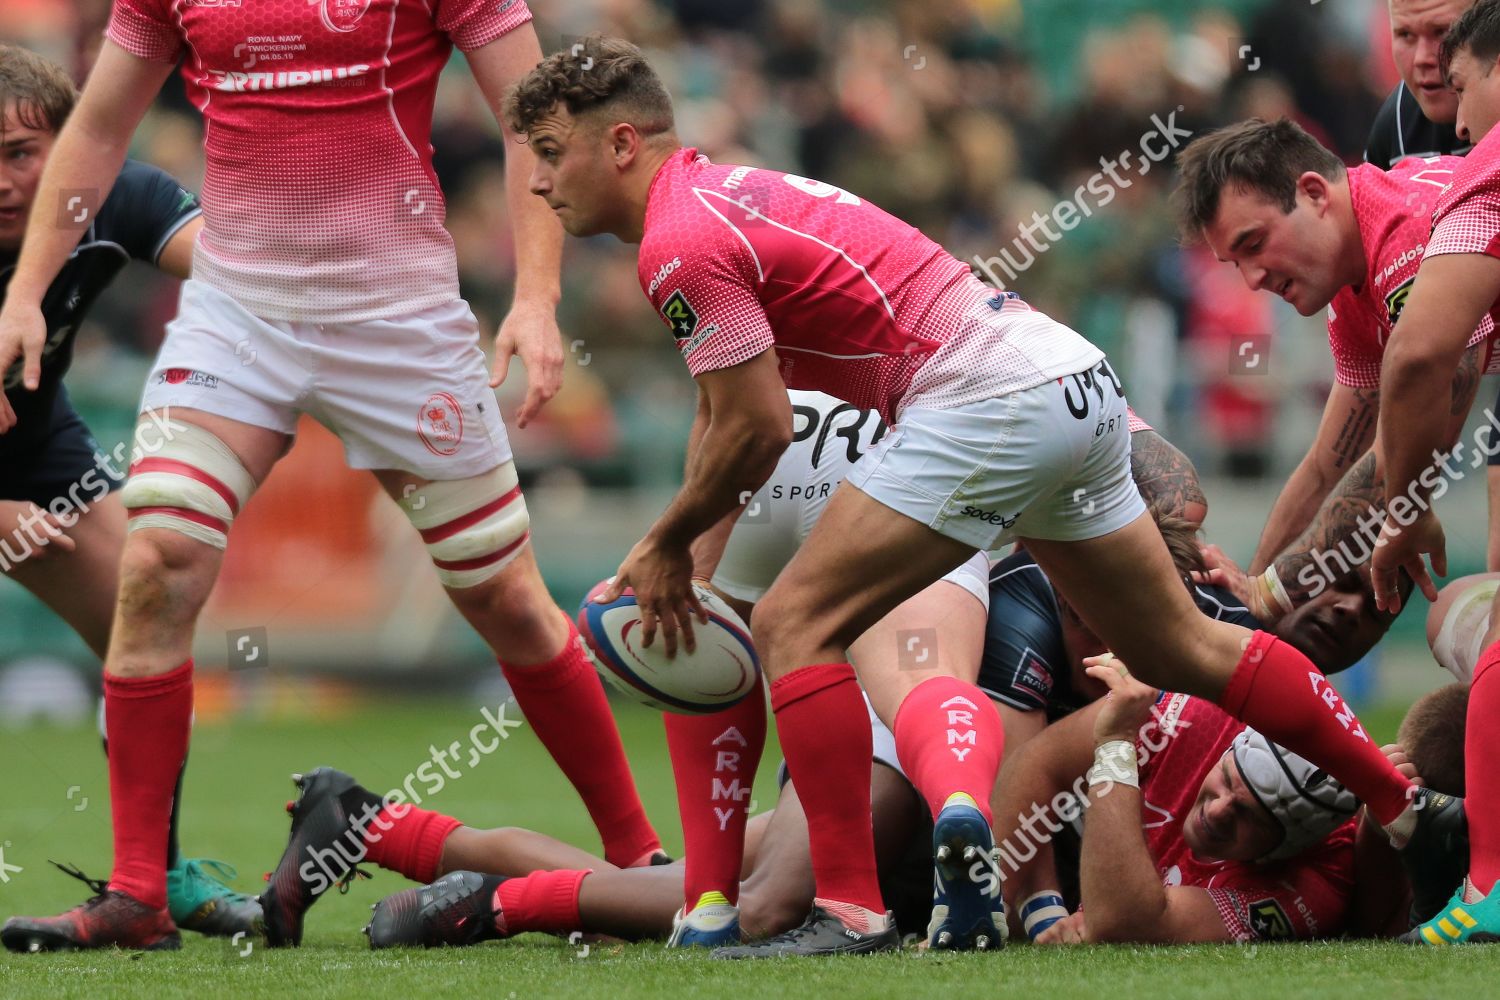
[55,805]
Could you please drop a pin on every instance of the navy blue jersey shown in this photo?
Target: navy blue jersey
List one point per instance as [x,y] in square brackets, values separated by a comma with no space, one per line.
[145,208]
[1401,130]
[1025,665]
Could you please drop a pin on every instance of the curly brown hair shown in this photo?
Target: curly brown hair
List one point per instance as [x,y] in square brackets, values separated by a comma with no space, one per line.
[39,90]
[1254,155]
[595,74]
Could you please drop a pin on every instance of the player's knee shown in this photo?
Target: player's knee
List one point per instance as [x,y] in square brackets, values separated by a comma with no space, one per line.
[473,528]
[192,486]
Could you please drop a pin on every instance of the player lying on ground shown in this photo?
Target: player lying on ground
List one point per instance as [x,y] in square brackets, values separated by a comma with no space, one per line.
[1457,287]
[828,437]
[336,273]
[767,279]
[1169,855]
[1296,222]
[62,524]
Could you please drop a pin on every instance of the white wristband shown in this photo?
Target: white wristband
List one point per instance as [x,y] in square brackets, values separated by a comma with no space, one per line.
[1276,589]
[1114,763]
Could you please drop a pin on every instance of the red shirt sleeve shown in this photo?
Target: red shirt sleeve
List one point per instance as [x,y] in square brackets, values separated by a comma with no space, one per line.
[473,24]
[146,29]
[706,295]
[1351,330]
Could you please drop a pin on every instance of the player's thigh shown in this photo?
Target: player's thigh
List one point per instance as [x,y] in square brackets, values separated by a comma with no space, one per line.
[937,632]
[1126,588]
[861,559]
[80,586]
[410,392]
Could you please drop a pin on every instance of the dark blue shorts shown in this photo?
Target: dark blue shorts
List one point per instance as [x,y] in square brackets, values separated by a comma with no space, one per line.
[60,461]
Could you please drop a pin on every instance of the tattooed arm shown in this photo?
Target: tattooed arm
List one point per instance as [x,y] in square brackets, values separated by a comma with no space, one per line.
[1166,478]
[1357,502]
[1345,433]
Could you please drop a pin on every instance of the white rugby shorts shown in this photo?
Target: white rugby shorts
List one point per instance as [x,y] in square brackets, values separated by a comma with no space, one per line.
[407,392]
[1050,462]
[828,438]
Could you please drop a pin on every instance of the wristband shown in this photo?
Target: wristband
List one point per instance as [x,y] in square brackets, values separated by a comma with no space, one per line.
[1270,582]
[1114,763]
[1040,911]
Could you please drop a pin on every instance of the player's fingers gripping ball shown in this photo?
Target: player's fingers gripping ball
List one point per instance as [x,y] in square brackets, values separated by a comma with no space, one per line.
[718,673]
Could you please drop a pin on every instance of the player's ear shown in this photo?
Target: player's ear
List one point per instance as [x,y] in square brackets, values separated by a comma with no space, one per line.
[625,142]
[1316,189]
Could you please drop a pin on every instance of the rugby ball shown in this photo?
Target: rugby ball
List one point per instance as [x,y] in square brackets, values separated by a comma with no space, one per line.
[721,671]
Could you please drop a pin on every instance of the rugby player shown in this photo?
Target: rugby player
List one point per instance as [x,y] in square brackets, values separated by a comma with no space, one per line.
[828,437]
[1417,118]
[1457,286]
[55,477]
[1004,424]
[1268,198]
[1171,856]
[324,264]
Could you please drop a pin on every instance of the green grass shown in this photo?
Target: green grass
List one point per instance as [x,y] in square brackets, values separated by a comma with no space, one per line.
[237,783]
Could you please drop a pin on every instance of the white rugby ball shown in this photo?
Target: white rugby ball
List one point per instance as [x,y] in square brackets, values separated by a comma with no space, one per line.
[721,671]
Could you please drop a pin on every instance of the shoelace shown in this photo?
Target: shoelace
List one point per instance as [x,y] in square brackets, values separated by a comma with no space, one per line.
[349,877]
[99,885]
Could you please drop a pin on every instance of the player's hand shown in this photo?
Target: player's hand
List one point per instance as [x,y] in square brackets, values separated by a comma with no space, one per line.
[35,531]
[1128,704]
[23,334]
[1396,754]
[1400,548]
[1068,930]
[530,332]
[662,578]
[1225,572]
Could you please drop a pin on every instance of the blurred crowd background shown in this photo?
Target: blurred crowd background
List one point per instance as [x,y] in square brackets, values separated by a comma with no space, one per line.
[963,117]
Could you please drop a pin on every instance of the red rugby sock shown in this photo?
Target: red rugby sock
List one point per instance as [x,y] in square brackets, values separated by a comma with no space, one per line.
[408,840]
[146,723]
[950,739]
[1278,692]
[1481,780]
[825,735]
[563,700]
[541,901]
[714,758]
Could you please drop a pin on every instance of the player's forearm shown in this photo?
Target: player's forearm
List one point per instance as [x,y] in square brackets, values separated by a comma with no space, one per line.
[1354,506]
[733,460]
[1293,511]
[538,236]
[1413,432]
[78,176]
[1028,781]
[1119,887]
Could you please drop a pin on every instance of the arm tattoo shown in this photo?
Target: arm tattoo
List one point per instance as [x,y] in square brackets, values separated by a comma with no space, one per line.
[1359,428]
[1341,536]
[1466,381]
[1165,477]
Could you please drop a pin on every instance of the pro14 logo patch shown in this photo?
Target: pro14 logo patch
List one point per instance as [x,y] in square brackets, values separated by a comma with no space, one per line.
[1269,921]
[1396,301]
[680,315]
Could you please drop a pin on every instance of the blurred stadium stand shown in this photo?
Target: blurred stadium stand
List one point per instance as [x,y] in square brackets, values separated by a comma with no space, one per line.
[962,116]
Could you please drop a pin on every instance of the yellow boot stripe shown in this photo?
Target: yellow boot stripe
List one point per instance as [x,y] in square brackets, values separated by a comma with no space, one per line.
[1462,916]
[1432,936]
[1448,928]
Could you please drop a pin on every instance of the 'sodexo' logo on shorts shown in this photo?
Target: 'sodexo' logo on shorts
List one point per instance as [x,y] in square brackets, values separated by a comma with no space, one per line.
[440,424]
